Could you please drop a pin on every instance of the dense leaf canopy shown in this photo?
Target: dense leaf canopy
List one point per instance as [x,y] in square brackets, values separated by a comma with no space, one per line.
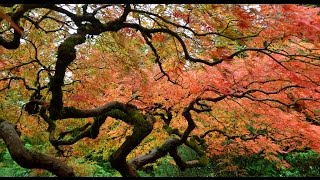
[134,82]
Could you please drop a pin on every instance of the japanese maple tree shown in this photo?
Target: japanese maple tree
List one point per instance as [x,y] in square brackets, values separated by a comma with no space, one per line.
[216,78]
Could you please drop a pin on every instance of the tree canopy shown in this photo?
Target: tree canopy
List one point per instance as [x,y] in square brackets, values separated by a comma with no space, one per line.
[134,82]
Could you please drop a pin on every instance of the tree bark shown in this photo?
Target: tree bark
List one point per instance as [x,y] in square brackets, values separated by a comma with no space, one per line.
[30,160]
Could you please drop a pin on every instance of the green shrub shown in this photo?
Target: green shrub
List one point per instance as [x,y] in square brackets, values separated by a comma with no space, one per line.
[304,164]
[9,168]
[252,165]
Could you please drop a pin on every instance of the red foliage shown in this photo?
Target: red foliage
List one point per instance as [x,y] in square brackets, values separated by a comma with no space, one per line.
[263,60]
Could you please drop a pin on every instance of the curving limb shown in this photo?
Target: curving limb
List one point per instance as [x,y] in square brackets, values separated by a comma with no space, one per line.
[28,159]
[142,127]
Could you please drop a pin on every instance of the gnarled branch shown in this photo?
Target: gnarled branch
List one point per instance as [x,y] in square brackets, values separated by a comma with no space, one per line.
[28,159]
